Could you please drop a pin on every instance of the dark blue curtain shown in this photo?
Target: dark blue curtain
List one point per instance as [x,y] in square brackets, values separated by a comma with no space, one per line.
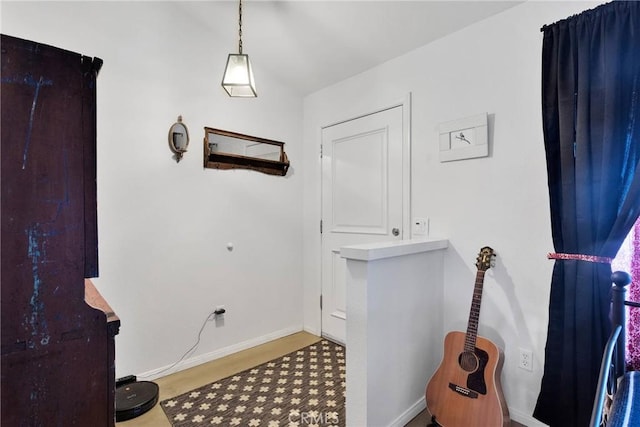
[591,121]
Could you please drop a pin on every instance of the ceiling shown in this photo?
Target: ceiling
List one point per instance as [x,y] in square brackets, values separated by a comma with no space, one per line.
[309,45]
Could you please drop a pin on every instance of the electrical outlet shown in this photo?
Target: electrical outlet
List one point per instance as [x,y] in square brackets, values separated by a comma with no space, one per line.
[216,315]
[525,360]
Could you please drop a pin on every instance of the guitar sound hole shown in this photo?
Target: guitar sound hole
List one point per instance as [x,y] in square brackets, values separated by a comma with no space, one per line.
[468,361]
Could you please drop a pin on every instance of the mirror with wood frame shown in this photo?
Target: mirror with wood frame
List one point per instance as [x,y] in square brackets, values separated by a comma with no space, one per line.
[230,150]
[178,139]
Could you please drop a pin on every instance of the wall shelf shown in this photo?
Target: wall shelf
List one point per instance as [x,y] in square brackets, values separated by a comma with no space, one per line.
[230,150]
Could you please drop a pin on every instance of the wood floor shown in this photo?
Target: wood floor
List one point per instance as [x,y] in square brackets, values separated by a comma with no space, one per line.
[189,379]
[183,381]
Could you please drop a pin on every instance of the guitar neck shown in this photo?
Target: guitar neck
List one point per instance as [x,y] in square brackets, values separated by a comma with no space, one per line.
[474,313]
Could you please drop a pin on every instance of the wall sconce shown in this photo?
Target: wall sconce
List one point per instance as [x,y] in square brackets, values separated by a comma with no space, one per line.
[238,75]
[178,139]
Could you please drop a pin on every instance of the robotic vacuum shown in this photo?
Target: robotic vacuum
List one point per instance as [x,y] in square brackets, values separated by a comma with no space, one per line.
[134,398]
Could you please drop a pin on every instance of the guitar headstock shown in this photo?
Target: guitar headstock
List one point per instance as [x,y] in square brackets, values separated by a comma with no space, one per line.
[485,258]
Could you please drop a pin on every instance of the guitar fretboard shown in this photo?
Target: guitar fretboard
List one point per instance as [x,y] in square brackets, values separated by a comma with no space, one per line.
[474,313]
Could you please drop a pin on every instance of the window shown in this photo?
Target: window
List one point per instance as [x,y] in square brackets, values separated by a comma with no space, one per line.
[628,259]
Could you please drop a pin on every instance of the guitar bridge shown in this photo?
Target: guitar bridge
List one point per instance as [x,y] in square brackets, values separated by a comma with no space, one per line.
[463,391]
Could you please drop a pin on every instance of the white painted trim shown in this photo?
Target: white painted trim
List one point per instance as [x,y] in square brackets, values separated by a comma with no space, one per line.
[332,338]
[374,251]
[524,418]
[217,354]
[407,232]
[385,107]
[410,413]
[312,331]
[339,314]
[421,405]
[405,103]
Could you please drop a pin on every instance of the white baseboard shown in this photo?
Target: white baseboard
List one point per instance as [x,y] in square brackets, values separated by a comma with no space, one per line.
[410,413]
[217,354]
[312,331]
[515,414]
[334,339]
[524,418]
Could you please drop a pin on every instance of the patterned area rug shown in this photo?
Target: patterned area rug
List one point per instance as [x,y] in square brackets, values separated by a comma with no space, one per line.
[303,388]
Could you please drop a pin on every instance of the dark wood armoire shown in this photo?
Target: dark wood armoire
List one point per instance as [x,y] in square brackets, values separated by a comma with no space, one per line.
[57,332]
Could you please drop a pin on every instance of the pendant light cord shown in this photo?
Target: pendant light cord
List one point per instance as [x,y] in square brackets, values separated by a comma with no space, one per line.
[240,27]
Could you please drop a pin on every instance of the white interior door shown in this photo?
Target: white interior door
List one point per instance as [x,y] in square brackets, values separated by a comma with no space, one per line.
[362,199]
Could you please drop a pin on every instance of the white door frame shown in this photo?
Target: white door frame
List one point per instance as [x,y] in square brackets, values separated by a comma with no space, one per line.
[405,103]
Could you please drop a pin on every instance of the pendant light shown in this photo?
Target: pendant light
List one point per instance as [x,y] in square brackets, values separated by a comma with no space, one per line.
[238,75]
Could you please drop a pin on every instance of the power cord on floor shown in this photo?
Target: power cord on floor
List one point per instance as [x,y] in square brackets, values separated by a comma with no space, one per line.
[210,316]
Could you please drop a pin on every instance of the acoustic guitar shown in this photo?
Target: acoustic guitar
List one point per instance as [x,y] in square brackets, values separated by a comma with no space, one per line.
[465,390]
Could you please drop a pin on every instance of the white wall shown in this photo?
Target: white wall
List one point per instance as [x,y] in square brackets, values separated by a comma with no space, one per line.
[394,306]
[163,226]
[500,201]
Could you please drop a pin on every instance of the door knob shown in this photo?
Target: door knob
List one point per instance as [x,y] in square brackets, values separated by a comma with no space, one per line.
[395,232]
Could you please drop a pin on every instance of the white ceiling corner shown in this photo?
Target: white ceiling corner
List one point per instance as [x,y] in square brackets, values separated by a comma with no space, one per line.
[311,44]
